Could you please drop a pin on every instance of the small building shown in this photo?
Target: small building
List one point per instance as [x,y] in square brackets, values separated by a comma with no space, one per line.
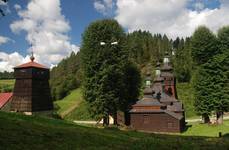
[149,114]
[159,110]
[31,91]
[5,101]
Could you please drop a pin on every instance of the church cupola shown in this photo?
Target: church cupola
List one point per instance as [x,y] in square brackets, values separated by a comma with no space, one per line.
[169,78]
[148,80]
[158,70]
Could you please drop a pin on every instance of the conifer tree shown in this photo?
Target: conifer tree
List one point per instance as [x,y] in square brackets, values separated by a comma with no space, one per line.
[203,48]
[203,45]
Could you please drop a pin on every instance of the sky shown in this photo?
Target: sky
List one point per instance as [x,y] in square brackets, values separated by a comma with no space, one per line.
[52,29]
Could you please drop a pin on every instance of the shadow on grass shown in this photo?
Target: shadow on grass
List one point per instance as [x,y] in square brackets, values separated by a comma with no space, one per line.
[186,128]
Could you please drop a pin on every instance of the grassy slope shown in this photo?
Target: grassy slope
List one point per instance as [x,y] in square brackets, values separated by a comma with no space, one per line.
[69,103]
[9,84]
[185,94]
[29,132]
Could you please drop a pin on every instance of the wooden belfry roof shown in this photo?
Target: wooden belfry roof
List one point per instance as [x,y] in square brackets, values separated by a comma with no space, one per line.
[31,64]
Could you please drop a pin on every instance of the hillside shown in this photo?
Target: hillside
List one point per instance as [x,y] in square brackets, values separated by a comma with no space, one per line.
[73,107]
[32,132]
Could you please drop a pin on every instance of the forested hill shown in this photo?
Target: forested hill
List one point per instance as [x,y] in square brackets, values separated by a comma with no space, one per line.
[65,76]
[144,49]
[6,75]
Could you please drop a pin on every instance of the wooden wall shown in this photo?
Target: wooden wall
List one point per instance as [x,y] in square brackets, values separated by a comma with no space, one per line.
[154,122]
[31,91]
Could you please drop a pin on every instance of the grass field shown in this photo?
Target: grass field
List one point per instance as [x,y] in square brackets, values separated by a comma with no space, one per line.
[6,85]
[33,132]
[69,103]
[197,129]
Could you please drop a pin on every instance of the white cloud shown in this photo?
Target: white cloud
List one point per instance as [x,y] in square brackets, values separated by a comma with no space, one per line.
[171,17]
[46,30]
[198,6]
[4,39]
[17,7]
[104,6]
[9,61]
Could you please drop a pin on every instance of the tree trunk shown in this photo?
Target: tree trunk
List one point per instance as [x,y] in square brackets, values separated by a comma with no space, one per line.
[219,117]
[115,118]
[205,118]
[106,120]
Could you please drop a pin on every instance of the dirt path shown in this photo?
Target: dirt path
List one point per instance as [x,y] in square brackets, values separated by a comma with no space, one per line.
[62,115]
[187,120]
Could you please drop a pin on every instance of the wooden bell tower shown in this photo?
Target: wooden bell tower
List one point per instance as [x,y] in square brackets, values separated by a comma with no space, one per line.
[31,91]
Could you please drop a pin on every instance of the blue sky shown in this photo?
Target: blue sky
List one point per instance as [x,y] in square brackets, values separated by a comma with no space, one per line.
[79,13]
[54,27]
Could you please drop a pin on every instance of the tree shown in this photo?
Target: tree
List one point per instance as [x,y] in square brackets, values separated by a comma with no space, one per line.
[182,61]
[223,38]
[203,48]
[104,68]
[1,10]
[202,102]
[203,45]
[212,89]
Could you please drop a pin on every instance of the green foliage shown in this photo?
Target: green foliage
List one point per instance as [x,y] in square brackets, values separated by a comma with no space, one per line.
[203,45]
[182,60]
[185,93]
[6,75]
[2,13]
[203,102]
[211,81]
[65,77]
[146,49]
[217,74]
[223,38]
[104,67]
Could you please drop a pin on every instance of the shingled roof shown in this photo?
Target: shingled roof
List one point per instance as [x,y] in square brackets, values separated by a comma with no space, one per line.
[31,64]
[4,98]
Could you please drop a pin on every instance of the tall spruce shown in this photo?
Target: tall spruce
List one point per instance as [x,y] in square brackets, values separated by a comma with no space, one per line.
[202,89]
[104,68]
[203,45]
[203,48]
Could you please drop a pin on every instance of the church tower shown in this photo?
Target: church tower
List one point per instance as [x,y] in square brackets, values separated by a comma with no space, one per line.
[31,91]
[169,78]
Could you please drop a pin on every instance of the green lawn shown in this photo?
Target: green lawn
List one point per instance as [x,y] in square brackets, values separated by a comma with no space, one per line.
[197,129]
[6,85]
[33,132]
[185,94]
[69,103]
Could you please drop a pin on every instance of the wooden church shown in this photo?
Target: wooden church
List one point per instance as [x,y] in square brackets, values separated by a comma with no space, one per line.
[31,91]
[159,110]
